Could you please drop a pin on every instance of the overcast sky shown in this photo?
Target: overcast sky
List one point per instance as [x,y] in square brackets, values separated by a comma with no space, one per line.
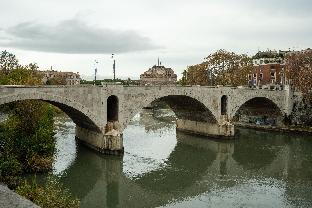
[70,34]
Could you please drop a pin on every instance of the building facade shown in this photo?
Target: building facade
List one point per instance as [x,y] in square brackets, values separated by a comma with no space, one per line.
[158,75]
[268,69]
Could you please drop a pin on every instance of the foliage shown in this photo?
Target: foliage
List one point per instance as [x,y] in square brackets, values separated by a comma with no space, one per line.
[268,54]
[9,165]
[197,75]
[183,80]
[56,81]
[52,194]
[219,68]
[10,169]
[12,73]
[26,137]
[8,62]
[299,68]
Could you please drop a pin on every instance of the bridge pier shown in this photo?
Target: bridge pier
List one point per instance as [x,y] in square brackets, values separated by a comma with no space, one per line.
[216,130]
[109,143]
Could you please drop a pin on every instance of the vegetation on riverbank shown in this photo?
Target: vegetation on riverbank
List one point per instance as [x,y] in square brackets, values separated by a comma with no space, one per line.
[27,143]
[26,137]
[52,194]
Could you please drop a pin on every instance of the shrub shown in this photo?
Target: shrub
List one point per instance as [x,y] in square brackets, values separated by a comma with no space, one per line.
[38,164]
[10,169]
[51,194]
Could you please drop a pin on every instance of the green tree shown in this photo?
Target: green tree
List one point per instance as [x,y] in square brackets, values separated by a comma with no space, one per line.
[26,138]
[8,62]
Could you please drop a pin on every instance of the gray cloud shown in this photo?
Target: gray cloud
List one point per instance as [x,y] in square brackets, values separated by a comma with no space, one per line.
[75,37]
[295,8]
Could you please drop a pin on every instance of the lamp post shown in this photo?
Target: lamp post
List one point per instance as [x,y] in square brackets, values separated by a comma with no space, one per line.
[114,67]
[95,70]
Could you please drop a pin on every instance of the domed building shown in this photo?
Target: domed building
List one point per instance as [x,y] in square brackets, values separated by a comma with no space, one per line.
[158,75]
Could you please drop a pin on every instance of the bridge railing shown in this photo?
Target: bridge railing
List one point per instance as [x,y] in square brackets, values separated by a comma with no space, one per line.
[268,87]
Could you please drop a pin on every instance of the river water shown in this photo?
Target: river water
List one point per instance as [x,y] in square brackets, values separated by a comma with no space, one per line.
[165,168]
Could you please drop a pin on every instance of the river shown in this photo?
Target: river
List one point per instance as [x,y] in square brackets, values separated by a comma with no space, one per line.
[165,168]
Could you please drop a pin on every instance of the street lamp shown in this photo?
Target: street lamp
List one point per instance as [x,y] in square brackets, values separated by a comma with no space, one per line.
[114,68]
[95,70]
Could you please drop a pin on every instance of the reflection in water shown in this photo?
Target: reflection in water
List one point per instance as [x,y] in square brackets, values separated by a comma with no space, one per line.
[147,147]
[165,168]
[65,144]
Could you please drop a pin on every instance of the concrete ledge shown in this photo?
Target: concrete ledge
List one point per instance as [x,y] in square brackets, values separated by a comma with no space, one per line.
[10,199]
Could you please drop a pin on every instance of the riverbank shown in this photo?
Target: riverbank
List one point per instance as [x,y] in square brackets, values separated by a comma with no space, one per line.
[286,129]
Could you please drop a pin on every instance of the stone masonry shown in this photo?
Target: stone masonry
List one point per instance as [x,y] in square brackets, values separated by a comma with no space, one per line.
[100,124]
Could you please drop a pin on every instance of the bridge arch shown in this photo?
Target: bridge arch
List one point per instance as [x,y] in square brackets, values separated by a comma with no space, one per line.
[80,115]
[184,106]
[262,104]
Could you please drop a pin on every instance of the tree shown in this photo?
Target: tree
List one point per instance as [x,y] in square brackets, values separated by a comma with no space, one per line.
[299,69]
[56,81]
[8,62]
[12,73]
[23,75]
[197,74]
[228,68]
[26,137]
[220,68]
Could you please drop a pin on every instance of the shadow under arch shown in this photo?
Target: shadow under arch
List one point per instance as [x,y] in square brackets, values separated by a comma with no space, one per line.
[258,106]
[187,108]
[80,115]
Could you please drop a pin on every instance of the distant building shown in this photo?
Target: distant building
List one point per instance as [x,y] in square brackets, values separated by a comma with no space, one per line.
[268,69]
[158,75]
[69,78]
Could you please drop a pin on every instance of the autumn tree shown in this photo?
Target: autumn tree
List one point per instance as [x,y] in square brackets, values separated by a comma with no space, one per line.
[196,75]
[58,80]
[228,68]
[220,68]
[299,69]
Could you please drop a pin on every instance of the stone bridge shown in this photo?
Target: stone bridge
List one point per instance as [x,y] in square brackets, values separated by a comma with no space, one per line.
[101,113]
